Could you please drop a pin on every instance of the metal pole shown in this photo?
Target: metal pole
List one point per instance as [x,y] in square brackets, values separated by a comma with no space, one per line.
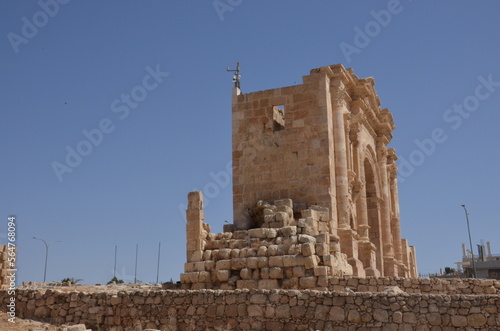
[46,256]
[470,242]
[114,270]
[158,267]
[136,253]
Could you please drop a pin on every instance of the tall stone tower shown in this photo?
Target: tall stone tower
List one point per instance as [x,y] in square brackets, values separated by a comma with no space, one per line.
[324,143]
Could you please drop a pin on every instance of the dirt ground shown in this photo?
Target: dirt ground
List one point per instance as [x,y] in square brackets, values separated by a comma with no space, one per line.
[25,325]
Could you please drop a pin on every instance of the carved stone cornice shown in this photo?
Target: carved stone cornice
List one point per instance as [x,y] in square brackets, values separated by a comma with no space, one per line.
[392,157]
[382,152]
[392,170]
[355,128]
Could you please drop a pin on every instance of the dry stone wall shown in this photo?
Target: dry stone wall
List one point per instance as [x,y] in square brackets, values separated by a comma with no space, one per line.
[260,310]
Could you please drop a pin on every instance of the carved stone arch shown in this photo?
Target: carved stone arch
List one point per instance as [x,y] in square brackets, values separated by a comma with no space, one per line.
[373,202]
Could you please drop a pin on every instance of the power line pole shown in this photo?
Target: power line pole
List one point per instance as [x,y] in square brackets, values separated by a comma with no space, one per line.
[470,242]
[136,253]
[158,267]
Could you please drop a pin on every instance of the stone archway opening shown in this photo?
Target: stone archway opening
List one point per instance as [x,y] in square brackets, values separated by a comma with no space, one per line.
[373,209]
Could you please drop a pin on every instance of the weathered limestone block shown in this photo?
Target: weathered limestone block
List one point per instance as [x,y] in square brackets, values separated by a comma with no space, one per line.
[262,262]
[307,249]
[204,277]
[323,282]
[189,267]
[283,311]
[277,224]
[260,233]
[276,273]
[476,320]
[268,219]
[292,260]
[199,266]
[337,314]
[207,255]
[284,202]
[194,277]
[196,256]
[264,273]
[275,261]
[291,283]
[322,249]
[307,282]
[288,211]
[321,271]
[272,233]
[294,250]
[282,217]
[274,250]
[287,231]
[252,262]
[223,275]
[310,231]
[311,261]
[245,273]
[235,253]
[241,234]
[247,284]
[268,284]
[258,298]
[223,264]
[323,238]
[304,238]
[238,263]
[224,254]
[262,251]
[299,271]
[255,311]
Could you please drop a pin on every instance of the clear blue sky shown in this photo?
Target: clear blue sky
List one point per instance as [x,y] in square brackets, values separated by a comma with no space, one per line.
[74,72]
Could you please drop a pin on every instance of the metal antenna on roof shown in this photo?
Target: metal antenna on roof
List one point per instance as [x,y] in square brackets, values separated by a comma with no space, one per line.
[236,76]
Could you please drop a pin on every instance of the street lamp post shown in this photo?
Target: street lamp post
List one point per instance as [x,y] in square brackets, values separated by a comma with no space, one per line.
[46,256]
[470,242]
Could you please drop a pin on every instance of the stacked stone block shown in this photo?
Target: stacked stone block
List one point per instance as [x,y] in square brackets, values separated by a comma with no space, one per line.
[258,310]
[282,253]
[5,266]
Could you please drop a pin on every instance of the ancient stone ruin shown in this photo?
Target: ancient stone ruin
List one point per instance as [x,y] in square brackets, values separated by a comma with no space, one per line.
[315,243]
[314,191]
[5,266]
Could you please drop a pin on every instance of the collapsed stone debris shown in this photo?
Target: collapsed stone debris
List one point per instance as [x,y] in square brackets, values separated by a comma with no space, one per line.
[282,253]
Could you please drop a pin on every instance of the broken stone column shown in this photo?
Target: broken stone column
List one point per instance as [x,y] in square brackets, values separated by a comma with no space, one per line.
[194,225]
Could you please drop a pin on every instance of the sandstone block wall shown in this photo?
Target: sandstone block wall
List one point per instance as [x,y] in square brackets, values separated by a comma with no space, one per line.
[5,265]
[281,253]
[259,310]
[324,142]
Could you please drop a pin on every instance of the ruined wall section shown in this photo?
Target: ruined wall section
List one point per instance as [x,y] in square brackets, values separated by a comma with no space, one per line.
[282,148]
[283,252]
[5,265]
[324,143]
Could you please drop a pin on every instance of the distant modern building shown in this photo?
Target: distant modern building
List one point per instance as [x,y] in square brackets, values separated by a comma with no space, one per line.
[487,264]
